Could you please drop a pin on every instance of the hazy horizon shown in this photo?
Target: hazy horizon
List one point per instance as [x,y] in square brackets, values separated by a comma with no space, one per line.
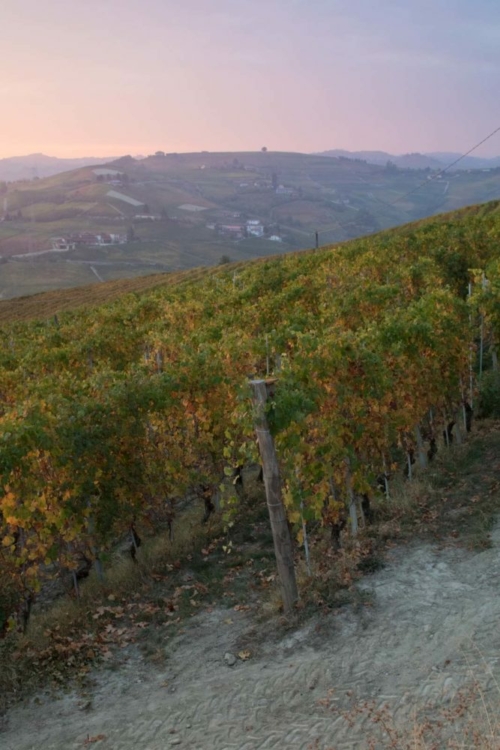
[113,77]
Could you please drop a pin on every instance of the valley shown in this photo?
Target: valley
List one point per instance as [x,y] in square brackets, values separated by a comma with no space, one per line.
[171,212]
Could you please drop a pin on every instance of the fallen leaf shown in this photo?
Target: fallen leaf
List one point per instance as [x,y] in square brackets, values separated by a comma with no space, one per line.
[95,738]
[244,655]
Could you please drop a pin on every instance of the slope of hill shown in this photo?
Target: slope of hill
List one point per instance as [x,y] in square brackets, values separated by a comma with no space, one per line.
[112,415]
[381,158]
[39,165]
[44,305]
[177,211]
[435,160]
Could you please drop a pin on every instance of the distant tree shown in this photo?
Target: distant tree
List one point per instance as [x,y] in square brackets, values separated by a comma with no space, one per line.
[391,167]
[159,153]
[19,214]
[130,234]
[274,179]
[125,178]
[100,178]
[146,209]
[264,149]
[164,214]
[223,260]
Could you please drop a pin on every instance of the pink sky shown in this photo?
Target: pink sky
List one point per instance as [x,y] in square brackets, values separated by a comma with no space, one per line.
[108,77]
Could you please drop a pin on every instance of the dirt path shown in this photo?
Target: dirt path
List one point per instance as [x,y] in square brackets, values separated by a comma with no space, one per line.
[432,622]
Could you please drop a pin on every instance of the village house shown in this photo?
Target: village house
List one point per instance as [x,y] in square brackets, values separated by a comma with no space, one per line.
[255,228]
[236,230]
[90,239]
[282,190]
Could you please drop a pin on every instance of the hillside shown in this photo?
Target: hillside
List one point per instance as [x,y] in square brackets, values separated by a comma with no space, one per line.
[416,660]
[178,211]
[47,304]
[434,161]
[132,420]
[37,166]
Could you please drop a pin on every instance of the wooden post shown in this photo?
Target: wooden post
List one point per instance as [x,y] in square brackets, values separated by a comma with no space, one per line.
[471,355]
[408,464]
[75,584]
[353,512]
[481,346]
[272,482]
[159,361]
[386,481]
[306,542]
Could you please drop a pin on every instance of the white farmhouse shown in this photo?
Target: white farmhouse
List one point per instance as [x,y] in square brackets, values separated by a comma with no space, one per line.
[255,228]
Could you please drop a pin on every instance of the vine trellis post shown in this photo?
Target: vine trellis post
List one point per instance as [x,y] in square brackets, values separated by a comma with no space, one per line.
[272,481]
[422,456]
[471,356]
[353,513]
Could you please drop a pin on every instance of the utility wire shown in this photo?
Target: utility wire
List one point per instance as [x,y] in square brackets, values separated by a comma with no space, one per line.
[420,185]
[445,169]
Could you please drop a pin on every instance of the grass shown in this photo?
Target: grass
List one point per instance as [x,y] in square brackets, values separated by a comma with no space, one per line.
[143,604]
[470,722]
[456,501]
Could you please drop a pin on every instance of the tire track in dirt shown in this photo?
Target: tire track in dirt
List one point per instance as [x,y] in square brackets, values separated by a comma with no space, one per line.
[431,625]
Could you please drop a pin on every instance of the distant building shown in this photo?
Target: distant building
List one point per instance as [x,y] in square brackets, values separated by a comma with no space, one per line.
[255,228]
[233,229]
[275,238]
[90,239]
[62,244]
[282,190]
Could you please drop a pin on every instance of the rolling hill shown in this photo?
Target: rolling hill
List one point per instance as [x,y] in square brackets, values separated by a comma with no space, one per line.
[435,160]
[172,212]
[31,166]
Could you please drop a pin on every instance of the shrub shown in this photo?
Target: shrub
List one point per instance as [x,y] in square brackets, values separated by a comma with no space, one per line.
[489,395]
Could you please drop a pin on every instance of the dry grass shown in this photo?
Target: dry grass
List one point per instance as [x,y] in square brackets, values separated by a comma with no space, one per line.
[469,720]
[45,305]
[69,628]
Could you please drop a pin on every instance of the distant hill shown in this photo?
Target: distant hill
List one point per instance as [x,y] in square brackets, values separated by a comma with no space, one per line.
[436,160]
[40,165]
[173,212]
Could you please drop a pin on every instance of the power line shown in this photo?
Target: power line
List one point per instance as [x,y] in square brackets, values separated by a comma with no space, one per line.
[445,169]
[420,185]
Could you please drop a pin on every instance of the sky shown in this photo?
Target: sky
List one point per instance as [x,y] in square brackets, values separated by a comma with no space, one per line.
[112,77]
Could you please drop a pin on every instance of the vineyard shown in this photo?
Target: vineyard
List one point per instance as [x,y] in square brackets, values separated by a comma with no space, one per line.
[110,416]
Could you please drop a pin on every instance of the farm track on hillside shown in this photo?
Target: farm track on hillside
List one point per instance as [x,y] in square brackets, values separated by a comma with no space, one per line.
[429,626]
